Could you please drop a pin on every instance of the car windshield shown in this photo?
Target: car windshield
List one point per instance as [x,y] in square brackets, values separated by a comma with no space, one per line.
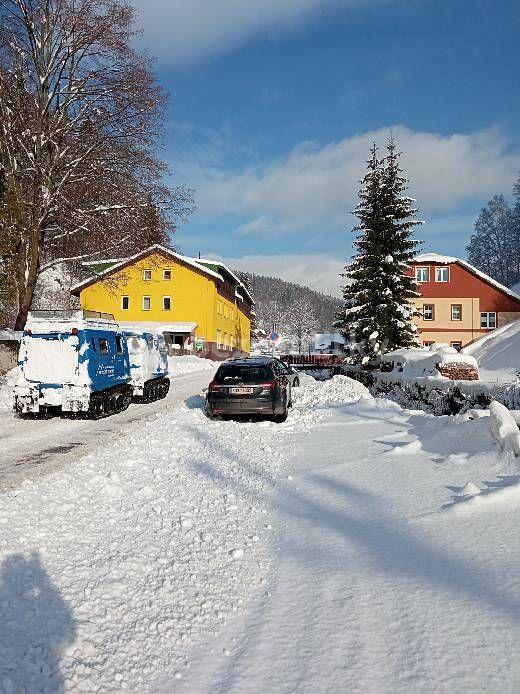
[243,374]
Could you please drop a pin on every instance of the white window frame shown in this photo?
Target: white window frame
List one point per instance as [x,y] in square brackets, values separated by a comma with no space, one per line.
[125,296]
[456,342]
[438,270]
[433,312]
[487,314]
[145,272]
[165,270]
[418,271]
[459,306]
[163,306]
[149,303]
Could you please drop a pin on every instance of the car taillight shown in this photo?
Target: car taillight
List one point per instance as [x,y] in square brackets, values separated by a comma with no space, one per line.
[268,386]
[215,386]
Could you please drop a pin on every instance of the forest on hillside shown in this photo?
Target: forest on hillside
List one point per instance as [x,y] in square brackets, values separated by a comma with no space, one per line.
[293,309]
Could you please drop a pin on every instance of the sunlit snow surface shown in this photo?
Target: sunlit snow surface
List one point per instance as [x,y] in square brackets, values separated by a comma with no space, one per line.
[327,554]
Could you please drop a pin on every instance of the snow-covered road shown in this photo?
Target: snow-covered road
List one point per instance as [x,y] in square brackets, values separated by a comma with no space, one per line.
[340,551]
[386,579]
[30,448]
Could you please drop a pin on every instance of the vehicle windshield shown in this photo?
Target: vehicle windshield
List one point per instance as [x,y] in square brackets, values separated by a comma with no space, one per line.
[243,374]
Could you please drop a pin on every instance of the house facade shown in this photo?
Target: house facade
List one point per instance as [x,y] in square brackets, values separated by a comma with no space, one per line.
[458,303]
[199,305]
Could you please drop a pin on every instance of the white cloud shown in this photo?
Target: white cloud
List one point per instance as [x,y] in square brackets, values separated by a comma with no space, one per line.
[318,185]
[181,31]
[318,271]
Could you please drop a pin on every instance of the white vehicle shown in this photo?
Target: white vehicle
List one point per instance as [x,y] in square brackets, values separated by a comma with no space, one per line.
[148,365]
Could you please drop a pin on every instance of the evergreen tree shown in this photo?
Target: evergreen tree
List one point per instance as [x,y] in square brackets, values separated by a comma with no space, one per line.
[379,292]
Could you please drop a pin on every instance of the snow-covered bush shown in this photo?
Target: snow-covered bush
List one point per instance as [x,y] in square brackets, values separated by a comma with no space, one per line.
[437,395]
[504,427]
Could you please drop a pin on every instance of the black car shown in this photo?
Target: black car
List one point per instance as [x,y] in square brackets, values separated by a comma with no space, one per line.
[292,375]
[258,385]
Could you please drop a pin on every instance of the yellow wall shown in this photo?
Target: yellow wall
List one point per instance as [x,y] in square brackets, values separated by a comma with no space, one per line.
[194,299]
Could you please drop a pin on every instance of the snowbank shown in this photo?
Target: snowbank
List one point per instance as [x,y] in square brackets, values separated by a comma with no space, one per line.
[188,363]
[504,427]
[498,354]
[7,382]
[113,569]
[336,392]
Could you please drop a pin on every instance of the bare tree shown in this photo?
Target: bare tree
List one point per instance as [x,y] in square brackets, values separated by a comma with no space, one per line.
[301,322]
[80,122]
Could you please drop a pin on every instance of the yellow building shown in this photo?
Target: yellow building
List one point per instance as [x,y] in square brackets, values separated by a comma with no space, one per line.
[198,304]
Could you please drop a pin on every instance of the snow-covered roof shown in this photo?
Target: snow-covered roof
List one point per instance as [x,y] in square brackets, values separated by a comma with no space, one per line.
[435,258]
[199,264]
[448,260]
[218,264]
[142,254]
[158,327]
[326,339]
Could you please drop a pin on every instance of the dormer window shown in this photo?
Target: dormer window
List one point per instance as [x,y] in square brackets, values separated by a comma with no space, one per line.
[442,274]
[422,274]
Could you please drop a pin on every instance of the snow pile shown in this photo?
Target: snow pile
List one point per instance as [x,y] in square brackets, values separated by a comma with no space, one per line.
[498,354]
[417,362]
[111,570]
[189,363]
[7,382]
[504,427]
[336,392]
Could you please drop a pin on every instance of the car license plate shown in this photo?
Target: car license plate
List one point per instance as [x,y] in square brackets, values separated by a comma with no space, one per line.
[241,391]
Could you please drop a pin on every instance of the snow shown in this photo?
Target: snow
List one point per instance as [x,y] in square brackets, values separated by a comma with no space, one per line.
[7,383]
[504,427]
[435,258]
[188,363]
[356,547]
[50,361]
[498,353]
[419,362]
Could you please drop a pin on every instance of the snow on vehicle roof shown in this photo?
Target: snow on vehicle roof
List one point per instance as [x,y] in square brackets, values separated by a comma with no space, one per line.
[449,260]
[42,322]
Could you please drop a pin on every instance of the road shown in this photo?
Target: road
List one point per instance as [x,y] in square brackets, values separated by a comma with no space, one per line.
[30,448]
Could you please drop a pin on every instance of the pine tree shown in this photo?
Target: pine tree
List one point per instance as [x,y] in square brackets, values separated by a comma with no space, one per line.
[379,296]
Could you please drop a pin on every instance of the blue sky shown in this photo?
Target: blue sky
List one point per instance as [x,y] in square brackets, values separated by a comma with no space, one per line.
[275,104]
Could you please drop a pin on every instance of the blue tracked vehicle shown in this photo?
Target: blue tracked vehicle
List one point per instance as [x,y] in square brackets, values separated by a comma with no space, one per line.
[148,365]
[74,362]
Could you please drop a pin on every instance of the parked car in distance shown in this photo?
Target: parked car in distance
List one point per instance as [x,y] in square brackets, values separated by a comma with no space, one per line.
[254,385]
[292,375]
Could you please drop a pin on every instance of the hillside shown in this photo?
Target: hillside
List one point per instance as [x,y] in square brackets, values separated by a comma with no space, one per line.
[278,300]
[498,354]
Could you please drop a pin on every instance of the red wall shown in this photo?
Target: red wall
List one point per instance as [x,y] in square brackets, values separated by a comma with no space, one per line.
[464,284]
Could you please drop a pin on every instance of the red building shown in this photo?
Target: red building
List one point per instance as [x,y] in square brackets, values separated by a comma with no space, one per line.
[459,303]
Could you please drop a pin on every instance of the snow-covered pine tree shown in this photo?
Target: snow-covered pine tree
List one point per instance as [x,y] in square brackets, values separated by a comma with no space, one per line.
[379,297]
